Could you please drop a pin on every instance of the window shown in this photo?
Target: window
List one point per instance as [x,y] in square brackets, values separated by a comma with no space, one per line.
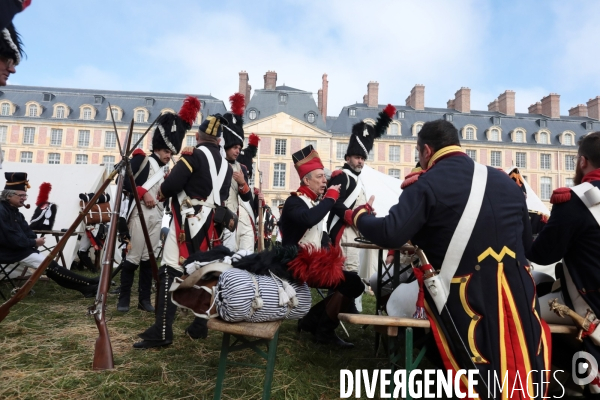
[83,139]
[5,109]
[394,153]
[110,140]
[109,163]
[282,97]
[47,96]
[567,139]
[545,161]
[98,99]
[28,135]
[448,117]
[53,158]
[60,112]
[134,140]
[496,120]
[140,116]
[469,133]
[352,112]
[56,137]
[394,172]
[400,114]
[3,130]
[417,128]
[311,117]
[494,135]
[521,161]
[545,188]
[569,182]
[27,157]
[340,150]
[280,147]
[570,162]
[543,138]
[149,102]
[496,159]
[33,110]
[279,175]
[371,155]
[394,129]
[87,113]
[81,159]
[472,154]
[312,143]
[252,114]
[115,113]
[416,155]
[190,140]
[543,123]
[519,136]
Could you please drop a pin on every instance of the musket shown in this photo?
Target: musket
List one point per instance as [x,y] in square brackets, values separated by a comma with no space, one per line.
[261,227]
[583,323]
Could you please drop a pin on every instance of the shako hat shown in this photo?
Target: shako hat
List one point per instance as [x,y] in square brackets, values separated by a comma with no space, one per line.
[364,134]
[16,181]
[233,132]
[306,160]
[171,128]
[213,125]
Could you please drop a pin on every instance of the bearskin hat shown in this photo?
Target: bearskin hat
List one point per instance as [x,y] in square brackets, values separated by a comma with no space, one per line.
[234,131]
[247,154]
[171,128]
[10,42]
[364,134]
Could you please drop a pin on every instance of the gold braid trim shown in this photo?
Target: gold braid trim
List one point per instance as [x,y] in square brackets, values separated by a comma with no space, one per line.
[443,152]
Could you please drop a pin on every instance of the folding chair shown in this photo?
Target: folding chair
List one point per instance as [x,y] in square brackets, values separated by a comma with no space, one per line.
[5,270]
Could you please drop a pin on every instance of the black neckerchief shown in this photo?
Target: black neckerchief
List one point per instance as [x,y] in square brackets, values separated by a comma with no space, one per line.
[346,166]
[160,163]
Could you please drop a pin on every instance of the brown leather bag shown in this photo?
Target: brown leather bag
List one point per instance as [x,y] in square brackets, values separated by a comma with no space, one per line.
[99,213]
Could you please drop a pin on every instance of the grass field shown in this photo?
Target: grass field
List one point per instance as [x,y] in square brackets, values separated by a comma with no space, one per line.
[47,345]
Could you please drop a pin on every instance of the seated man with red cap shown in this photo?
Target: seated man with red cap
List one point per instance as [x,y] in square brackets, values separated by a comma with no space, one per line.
[301,223]
[19,244]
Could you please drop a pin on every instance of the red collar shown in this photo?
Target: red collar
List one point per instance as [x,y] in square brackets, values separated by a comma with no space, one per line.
[307,192]
[592,176]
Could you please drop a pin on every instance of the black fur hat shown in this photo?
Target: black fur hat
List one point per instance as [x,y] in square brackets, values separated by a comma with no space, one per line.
[171,128]
[364,135]
[10,42]
[233,132]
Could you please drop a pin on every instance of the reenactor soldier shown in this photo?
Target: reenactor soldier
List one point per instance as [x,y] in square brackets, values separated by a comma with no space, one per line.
[149,175]
[472,223]
[198,185]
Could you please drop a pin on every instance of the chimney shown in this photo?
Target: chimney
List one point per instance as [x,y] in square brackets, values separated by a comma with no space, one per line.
[535,108]
[320,101]
[506,102]
[593,107]
[462,100]
[493,106]
[366,99]
[244,86]
[551,105]
[270,80]
[373,94]
[450,103]
[325,91]
[416,99]
[580,110]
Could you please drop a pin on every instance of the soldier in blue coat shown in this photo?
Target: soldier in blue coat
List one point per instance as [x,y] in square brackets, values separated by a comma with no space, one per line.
[482,307]
[573,235]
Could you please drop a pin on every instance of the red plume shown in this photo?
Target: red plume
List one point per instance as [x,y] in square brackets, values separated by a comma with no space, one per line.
[189,109]
[253,140]
[42,198]
[390,110]
[318,267]
[237,101]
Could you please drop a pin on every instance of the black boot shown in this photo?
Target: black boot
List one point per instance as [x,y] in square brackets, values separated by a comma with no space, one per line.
[329,321]
[85,260]
[198,329]
[127,275]
[311,320]
[145,287]
[70,280]
[161,333]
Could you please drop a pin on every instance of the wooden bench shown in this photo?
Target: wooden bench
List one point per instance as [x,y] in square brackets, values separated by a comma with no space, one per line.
[265,333]
[389,326]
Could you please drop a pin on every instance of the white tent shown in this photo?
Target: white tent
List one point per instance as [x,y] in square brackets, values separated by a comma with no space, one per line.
[67,182]
[533,201]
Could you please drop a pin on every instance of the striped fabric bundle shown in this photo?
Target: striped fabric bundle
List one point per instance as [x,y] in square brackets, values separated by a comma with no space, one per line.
[243,296]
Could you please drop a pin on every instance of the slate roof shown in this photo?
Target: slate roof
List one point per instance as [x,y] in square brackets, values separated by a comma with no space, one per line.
[99,99]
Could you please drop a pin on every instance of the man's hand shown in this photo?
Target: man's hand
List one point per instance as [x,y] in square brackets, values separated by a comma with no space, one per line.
[261,196]
[370,203]
[148,200]
[335,187]
[40,241]
[239,177]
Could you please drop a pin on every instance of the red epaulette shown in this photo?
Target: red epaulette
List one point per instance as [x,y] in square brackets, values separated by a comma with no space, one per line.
[560,195]
[138,152]
[337,172]
[411,178]
[188,150]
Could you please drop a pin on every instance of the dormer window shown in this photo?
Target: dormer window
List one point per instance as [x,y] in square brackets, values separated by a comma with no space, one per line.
[282,97]
[494,134]
[469,132]
[352,112]
[542,123]
[140,116]
[448,117]
[33,110]
[116,113]
[60,112]
[518,135]
[98,99]
[149,102]
[496,120]
[543,137]
[48,96]
[87,113]
[5,109]
[311,117]
[252,114]
[567,138]
[394,129]
[588,125]
[400,115]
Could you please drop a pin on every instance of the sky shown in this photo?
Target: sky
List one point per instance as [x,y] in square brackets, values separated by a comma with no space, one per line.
[198,47]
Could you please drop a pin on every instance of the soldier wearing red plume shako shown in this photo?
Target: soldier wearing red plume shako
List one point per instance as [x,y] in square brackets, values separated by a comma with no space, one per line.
[148,172]
[301,223]
[198,187]
[352,192]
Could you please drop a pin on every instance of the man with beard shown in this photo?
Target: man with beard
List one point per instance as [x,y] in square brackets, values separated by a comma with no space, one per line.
[573,235]
[301,223]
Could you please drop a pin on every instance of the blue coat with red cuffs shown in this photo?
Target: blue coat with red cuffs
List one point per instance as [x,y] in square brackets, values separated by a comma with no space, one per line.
[492,300]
